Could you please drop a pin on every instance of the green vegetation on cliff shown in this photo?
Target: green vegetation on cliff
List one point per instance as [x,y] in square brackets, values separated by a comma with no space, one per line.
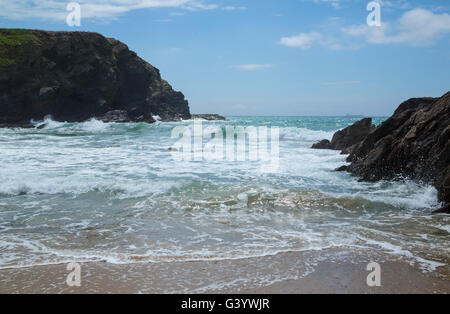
[11,42]
[4,61]
[14,37]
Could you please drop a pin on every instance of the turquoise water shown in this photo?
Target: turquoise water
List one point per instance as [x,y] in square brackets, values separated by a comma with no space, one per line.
[114,192]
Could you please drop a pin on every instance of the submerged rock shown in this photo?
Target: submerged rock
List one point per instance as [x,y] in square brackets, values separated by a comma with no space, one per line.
[208,117]
[341,169]
[347,138]
[445,186]
[75,76]
[413,143]
[443,210]
[323,144]
[115,116]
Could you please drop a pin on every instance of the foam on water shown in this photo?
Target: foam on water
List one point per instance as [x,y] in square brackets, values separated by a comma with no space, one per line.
[109,191]
[404,194]
[48,123]
[305,135]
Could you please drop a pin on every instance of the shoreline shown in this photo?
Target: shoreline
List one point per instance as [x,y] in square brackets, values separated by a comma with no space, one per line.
[328,271]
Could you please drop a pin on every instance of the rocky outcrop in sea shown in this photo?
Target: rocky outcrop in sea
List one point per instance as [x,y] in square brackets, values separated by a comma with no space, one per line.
[349,137]
[208,117]
[414,143]
[75,76]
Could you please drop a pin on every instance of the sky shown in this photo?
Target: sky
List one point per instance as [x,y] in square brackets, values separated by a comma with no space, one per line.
[272,57]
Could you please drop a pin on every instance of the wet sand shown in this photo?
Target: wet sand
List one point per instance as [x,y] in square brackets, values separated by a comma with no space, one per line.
[330,271]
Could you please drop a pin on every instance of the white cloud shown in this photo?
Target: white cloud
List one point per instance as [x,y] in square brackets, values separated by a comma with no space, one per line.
[252,67]
[392,4]
[334,3]
[395,4]
[305,41]
[302,41]
[200,5]
[93,9]
[418,27]
[232,8]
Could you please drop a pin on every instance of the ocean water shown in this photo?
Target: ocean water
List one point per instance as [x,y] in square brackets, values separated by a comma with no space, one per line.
[97,191]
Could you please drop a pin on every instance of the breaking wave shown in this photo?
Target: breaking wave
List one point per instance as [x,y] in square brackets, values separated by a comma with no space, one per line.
[110,191]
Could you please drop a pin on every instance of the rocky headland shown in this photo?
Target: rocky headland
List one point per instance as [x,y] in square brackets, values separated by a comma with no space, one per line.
[414,143]
[75,76]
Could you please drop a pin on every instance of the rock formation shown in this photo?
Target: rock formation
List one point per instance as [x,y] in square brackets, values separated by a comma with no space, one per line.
[208,117]
[323,144]
[352,135]
[347,138]
[74,76]
[413,143]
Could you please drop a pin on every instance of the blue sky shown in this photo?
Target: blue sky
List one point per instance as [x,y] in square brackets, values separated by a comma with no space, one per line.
[272,57]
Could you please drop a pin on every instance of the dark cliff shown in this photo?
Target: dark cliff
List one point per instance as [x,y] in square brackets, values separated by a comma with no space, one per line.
[414,143]
[74,76]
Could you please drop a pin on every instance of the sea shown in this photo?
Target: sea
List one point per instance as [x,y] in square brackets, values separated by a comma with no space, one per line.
[116,193]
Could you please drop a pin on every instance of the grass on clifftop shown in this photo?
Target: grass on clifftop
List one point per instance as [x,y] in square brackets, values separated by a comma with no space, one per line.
[14,37]
[10,38]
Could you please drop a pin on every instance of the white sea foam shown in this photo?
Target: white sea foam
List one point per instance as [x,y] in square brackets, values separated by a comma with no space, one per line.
[118,186]
[48,123]
[302,134]
[425,264]
[406,194]
[78,184]
[94,125]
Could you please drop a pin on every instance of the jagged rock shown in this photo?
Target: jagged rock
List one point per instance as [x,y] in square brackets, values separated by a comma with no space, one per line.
[324,144]
[414,143]
[347,138]
[208,117]
[443,210]
[352,135]
[348,150]
[115,116]
[75,76]
[444,187]
[341,169]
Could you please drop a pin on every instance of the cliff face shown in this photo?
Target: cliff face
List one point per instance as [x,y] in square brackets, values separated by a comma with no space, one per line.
[414,142]
[74,76]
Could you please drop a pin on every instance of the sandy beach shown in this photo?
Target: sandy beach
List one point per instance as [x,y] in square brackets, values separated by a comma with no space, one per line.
[331,271]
